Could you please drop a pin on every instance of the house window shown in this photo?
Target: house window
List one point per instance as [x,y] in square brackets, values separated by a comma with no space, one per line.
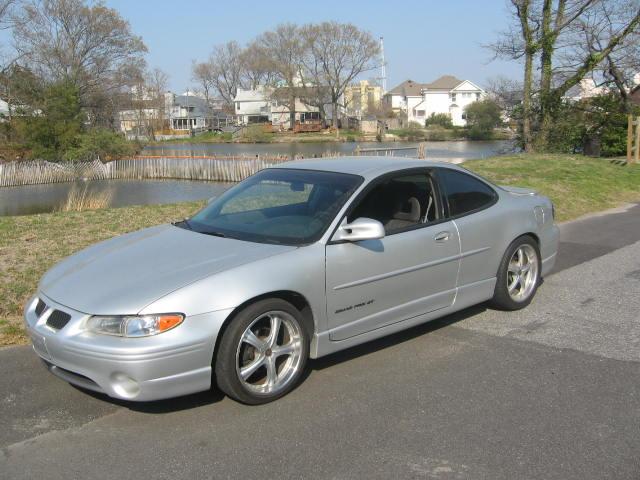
[477,96]
[453,97]
[237,106]
[420,113]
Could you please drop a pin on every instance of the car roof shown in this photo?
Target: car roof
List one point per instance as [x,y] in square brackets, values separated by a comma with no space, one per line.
[367,167]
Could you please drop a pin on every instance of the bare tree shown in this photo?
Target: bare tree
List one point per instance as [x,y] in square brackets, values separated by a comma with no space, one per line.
[283,50]
[202,74]
[593,33]
[337,54]
[520,42]
[6,17]
[506,92]
[91,46]
[255,67]
[222,72]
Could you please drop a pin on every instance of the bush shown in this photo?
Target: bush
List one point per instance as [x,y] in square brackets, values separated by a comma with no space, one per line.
[482,117]
[599,120]
[56,129]
[440,120]
[256,134]
[100,143]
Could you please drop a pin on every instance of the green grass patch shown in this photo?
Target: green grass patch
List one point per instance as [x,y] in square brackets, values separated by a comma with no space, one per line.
[577,185]
[31,244]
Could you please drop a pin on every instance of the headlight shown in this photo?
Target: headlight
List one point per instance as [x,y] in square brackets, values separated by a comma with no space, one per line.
[134,325]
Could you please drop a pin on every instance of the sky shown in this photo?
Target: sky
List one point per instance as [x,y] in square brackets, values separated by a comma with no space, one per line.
[422,39]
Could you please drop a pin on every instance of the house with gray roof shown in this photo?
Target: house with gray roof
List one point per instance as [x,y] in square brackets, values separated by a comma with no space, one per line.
[447,94]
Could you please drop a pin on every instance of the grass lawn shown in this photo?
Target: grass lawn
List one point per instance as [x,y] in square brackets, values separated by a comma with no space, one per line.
[576,184]
[29,245]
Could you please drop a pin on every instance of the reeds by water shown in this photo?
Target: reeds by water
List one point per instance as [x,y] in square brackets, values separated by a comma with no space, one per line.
[83,198]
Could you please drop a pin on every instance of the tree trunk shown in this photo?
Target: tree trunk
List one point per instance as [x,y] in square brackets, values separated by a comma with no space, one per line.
[546,71]
[526,103]
[522,9]
[334,107]
[292,113]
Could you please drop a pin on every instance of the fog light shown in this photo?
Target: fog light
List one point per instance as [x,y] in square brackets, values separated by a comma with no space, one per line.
[124,385]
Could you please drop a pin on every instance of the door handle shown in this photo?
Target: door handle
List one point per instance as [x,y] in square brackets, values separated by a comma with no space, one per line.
[441,237]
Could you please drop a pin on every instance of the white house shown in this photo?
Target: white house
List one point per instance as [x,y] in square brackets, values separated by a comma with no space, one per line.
[4,109]
[267,105]
[253,106]
[447,94]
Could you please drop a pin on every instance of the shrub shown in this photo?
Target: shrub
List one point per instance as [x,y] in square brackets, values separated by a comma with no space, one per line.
[256,134]
[440,120]
[482,117]
[100,143]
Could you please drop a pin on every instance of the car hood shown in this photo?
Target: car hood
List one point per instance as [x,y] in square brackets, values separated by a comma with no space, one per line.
[124,274]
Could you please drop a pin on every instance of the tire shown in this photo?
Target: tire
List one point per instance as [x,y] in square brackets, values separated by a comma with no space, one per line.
[254,367]
[518,276]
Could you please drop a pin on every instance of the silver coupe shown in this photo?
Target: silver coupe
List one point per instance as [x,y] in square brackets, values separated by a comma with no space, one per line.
[300,260]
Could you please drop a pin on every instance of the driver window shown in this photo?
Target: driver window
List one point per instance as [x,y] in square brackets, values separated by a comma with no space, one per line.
[399,203]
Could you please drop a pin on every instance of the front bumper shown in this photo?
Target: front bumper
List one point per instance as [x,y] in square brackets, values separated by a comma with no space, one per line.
[173,363]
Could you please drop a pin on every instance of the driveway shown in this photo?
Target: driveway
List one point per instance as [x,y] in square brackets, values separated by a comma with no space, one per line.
[549,392]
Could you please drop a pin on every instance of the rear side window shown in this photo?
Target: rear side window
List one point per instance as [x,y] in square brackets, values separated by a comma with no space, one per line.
[464,193]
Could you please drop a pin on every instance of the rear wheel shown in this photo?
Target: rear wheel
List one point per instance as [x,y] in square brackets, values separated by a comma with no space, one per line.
[518,276]
[262,353]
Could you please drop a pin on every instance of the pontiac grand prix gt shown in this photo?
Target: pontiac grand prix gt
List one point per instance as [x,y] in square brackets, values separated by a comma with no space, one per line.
[300,260]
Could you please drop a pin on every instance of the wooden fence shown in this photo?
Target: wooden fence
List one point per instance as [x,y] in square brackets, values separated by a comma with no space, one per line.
[633,140]
[221,169]
[36,172]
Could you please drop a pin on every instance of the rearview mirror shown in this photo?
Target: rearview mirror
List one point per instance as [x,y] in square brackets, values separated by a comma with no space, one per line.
[360,229]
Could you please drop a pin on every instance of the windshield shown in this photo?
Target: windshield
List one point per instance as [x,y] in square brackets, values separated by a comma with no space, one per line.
[287,206]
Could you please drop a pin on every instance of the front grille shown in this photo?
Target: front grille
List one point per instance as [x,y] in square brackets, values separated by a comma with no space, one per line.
[40,307]
[58,319]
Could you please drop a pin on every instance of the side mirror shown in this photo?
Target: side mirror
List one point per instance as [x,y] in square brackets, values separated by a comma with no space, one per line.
[360,229]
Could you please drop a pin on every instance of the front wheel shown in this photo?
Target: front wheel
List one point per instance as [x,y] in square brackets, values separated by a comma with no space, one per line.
[262,353]
[518,276]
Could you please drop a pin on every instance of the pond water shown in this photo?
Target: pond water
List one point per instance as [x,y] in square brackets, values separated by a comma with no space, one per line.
[47,198]
[451,151]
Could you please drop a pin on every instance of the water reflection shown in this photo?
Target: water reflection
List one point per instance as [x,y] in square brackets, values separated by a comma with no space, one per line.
[47,198]
[435,150]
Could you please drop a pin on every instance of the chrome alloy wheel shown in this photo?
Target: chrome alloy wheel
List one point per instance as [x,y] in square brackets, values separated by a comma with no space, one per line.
[522,273]
[269,353]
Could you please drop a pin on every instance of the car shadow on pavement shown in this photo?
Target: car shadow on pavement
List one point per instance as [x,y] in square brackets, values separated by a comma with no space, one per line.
[169,405]
[393,339]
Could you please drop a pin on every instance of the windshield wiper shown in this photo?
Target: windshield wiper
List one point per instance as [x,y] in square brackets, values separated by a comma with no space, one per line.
[214,234]
[184,222]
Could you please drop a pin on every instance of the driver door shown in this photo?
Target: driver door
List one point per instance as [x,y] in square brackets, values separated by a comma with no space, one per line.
[409,272]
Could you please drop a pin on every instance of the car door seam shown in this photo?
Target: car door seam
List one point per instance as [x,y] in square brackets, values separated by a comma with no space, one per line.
[455,295]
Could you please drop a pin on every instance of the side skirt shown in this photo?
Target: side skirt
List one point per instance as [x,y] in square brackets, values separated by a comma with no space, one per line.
[466,296]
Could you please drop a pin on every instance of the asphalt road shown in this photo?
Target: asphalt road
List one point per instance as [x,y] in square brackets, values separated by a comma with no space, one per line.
[549,392]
